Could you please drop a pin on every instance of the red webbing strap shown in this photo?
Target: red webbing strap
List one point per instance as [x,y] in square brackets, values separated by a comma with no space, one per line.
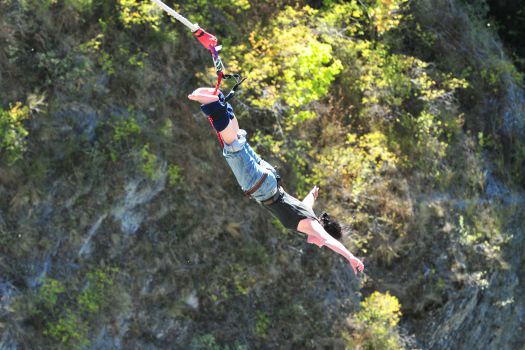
[219,79]
[218,134]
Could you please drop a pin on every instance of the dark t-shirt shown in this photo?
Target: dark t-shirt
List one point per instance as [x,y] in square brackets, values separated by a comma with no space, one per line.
[289,210]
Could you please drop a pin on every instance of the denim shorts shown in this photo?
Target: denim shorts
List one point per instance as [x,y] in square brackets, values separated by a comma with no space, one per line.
[248,168]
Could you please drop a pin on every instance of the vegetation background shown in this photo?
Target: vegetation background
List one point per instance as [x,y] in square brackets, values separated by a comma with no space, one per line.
[121,226]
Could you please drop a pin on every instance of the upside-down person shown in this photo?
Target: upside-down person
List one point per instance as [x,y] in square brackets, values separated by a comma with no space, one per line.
[259,180]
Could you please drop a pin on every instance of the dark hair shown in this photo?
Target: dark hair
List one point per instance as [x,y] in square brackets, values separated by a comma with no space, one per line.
[331,226]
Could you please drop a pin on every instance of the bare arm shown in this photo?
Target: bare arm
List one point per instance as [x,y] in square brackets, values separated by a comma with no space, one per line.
[317,235]
[311,197]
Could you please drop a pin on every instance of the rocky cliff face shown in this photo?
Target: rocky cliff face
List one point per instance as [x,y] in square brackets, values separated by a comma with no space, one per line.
[123,228]
[488,311]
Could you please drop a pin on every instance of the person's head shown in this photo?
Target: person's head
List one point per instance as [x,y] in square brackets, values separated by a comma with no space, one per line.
[331,226]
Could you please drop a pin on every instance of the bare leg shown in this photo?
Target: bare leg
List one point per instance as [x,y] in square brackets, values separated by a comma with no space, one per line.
[311,197]
[235,123]
[230,133]
[206,96]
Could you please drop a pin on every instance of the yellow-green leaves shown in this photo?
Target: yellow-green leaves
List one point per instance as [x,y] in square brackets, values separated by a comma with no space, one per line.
[288,64]
[349,18]
[353,163]
[309,74]
[133,12]
[386,14]
[376,323]
[241,5]
[383,76]
[13,133]
[358,16]
[380,308]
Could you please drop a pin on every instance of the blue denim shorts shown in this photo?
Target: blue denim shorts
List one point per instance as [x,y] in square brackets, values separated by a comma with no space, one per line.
[248,168]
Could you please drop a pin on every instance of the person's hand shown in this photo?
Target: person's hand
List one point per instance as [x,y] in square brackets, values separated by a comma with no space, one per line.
[204,95]
[357,265]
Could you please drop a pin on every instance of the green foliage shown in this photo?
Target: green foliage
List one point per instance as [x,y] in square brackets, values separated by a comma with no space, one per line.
[149,163]
[378,16]
[134,12]
[243,280]
[381,309]
[348,16]
[126,130]
[49,292]
[375,324]
[241,5]
[262,323]
[478,224]
[386,14]
[96,295]
[354,163]
[175,176]
[205,342]
[310,74]
[206,12]
[466,235]
[208,342]
[279,226]
[80,5]
[66,313]
[125,137]
[13,132]
[69,330]
[289,61]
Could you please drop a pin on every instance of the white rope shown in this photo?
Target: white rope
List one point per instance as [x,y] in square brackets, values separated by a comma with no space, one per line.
[180,18]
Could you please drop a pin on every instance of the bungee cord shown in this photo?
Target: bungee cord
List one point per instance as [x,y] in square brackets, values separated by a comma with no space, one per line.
[209,41]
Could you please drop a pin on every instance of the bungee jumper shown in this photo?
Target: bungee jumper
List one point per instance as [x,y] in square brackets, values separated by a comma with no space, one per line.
[257,178]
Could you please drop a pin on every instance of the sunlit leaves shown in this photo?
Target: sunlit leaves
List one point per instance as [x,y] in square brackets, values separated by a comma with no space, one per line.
[346,19]
[288,64]
[380,308]
[13,132]
[310,73]
[375,323]
[386,14]
[354,162]
[133,12]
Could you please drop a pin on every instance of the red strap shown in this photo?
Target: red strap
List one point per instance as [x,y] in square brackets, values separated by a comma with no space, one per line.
[219,79]
[221,142]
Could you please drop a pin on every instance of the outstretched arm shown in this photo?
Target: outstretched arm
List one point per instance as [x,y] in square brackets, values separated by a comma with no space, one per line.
[311,197]
[317,235]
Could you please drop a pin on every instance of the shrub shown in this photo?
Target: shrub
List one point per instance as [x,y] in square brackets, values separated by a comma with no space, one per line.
[262,323]
[125,135]
[13,132]
[288,62]
[150,163]
[175,176]
[354,163]
[66,313]
[69,330]
[133,12]
[375,324]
